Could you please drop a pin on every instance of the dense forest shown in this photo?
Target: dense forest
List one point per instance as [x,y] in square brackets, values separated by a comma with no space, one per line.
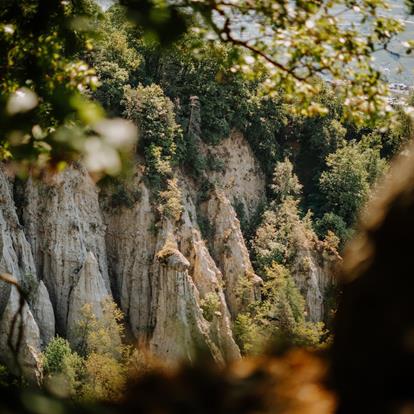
[133,237]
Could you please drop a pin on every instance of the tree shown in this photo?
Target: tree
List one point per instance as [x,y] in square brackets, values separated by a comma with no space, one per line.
[115,58]
[288,43]
[285,183]
[47,117]
[105,354]
[63,368]
[280,316]
[351,171]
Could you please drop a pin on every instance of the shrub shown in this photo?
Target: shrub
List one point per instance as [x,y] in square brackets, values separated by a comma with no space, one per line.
[284,305]
[285,183]
[351,171]
[63,369]
[171,205]
[105,378]
[247,334]
[277,236]
[99,372]
[279,317]
[54,355]
[105,355]
[210,306]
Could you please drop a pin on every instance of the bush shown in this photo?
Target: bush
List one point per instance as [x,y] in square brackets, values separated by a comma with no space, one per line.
[105,378]
[276,238]
[351,172]
[331,222]
[284,306]
[278,318]
[247,334]
[285,183]
[99,371]
[63,369]
[210,306]
[171,205]
[54,355]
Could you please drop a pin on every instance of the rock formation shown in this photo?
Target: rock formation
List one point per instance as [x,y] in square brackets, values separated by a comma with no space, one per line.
[90,290]
[63,224]
[242,286]
[241,178]
[20,342]
[73,244]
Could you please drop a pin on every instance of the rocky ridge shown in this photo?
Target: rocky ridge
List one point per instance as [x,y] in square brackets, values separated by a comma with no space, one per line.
[68,247]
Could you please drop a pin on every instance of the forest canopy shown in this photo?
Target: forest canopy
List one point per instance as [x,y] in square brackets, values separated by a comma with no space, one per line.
[48,80]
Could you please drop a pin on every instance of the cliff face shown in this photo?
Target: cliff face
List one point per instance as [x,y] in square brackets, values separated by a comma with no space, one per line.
[70,246]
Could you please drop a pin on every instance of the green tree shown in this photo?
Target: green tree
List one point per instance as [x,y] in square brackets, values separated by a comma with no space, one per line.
[285,182]
[115,58]
[105,354]
[63,368]
[54,355]
[351,171]
[303,38]
[45,115]
[279,317]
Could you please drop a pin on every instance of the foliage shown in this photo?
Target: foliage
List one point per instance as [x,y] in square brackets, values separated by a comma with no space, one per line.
[46,116]
[106,357]
[240,211]
[279,317]
[62,367]
[285,183]
[248,334]
[105,378]
[223,95]
[153,112]
[351,171]
[331,222]
[6,378]
[115,59]
[99,371]
[291,43]
[206,227]
[279,235]
[54,355]
[118,192]
[210,306]
[171,205]
[267,129]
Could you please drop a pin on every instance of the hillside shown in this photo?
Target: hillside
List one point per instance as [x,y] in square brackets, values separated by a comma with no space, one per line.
[225,230]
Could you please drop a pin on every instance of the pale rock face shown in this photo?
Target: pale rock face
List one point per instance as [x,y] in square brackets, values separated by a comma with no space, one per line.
[63,223]
[90,289]
[132,249]
[162,273]
[16,259]
[24,358]
[43,313]
[314,273]
[131,243]
[15,254]
[242,285]
[207,277]
[180,328]
[242,179]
